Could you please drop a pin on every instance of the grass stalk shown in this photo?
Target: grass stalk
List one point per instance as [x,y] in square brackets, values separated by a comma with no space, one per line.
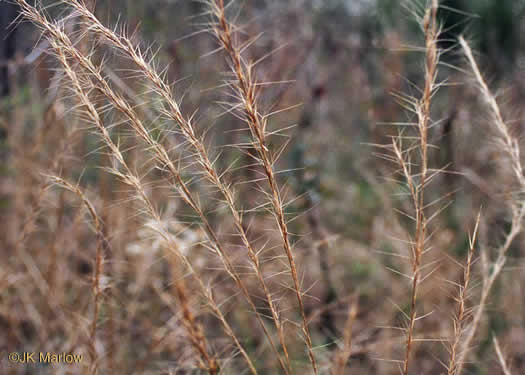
[510,146]
[246,89]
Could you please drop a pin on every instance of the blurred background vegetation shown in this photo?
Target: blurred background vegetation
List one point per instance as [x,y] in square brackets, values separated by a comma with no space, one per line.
[339,66]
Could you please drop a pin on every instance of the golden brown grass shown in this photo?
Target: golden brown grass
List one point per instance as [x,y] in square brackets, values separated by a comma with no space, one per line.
[510,146]
[240,296]
[463,312]
[417,180]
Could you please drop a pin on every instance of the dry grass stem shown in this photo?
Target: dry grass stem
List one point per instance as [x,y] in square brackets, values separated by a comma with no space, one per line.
[501,357]
[98,284]
[511,148]
[342,356]
[463,313]
[417,182]
[246,89]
